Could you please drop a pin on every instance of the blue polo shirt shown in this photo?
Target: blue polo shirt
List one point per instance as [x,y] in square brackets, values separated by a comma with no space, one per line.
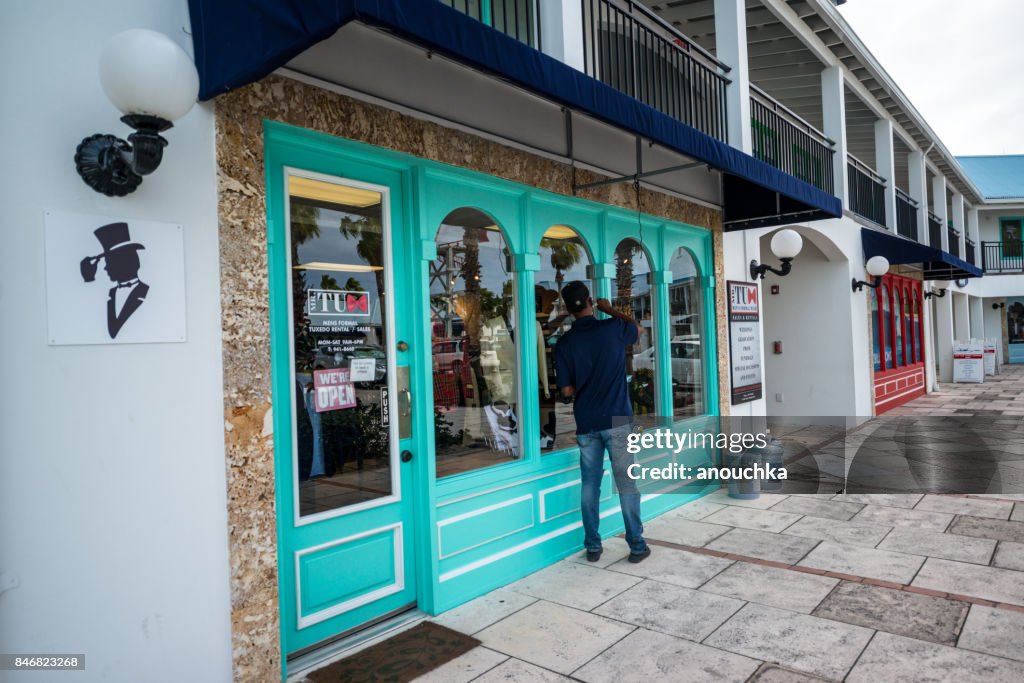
[592,358]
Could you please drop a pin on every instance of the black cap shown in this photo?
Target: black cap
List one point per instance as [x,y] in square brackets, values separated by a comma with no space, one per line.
[575,295]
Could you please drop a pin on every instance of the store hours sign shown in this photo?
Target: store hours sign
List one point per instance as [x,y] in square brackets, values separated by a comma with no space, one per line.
[745,341]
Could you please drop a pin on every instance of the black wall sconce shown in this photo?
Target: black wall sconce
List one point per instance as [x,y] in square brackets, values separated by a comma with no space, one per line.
[786,244]
[876,267]
[996,307]
[939,285]
[153,82]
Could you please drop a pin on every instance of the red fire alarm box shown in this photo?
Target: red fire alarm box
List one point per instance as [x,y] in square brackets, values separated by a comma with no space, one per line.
[777,347]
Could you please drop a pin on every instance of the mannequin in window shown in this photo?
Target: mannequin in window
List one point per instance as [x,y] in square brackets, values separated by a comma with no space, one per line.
[546,326]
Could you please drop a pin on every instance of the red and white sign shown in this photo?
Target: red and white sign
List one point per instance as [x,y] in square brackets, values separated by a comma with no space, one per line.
[744,342]
[743,298]
[333,390]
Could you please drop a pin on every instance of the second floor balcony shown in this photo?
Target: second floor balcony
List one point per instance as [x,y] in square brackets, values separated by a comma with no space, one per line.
[953,236]
[787,142]
[906,215]
[867,191]
[1002,257]
[934,230]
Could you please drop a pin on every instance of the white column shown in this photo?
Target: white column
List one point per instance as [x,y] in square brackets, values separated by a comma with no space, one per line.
[939,206]
[959,223]
[961,317]
[885,166]
[929,344]
[977,310]
[944,335]
[918,191]
[562,37]
[833,110]
[974,231]
[731,48]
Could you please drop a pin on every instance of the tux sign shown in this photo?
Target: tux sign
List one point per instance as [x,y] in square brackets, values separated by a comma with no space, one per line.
[113,280]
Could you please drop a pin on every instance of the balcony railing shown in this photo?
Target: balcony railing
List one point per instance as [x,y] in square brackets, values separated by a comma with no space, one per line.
[867,191]
[1002,257]
[787,142]
[934,230]
[515,18]
[632,49]
[954,242]
[906,215]
[969,247]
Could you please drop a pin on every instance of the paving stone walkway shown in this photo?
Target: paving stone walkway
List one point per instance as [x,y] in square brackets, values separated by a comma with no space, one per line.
[882,588]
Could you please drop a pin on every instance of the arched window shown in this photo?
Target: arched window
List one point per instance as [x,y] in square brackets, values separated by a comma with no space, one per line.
[898,325]
[886,329]
[563,259]
[631,294]
[876,331]
[686,336]
[475,363]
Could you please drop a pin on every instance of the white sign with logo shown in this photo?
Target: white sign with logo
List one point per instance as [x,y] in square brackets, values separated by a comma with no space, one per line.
[969,362]
[113,280]
[745,341]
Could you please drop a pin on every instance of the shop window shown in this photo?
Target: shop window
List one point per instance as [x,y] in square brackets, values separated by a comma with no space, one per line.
[686,336]
[918,348]
[631,294]
[898,324]
[875,332]
[908,322]
[474,357]
[886,328]
[563,258]
[339,342]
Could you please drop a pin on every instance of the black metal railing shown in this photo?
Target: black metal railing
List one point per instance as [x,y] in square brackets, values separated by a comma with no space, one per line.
[906,215]
[969,249]
[632,49]
[515,18]
[867,190]
[787,142]
[934,230]
[954,241]
[1002,257]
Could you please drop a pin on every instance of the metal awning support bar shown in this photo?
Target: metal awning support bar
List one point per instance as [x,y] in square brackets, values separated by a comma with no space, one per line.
[640,173]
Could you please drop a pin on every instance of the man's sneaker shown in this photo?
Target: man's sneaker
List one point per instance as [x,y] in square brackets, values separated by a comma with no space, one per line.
[640,557]
[593,555]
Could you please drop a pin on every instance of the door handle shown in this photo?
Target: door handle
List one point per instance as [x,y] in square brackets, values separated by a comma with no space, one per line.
[406,456]
[404,403]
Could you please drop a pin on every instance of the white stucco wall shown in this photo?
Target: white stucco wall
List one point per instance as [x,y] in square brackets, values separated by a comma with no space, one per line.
[113,532]
[823,370]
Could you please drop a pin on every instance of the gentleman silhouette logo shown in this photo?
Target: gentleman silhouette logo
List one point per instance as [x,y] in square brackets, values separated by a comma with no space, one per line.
[121,261]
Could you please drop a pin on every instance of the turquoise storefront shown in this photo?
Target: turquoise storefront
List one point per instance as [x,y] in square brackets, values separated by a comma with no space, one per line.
[421,459]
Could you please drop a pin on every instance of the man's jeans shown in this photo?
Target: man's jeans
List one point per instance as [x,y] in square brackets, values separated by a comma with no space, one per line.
[592,449]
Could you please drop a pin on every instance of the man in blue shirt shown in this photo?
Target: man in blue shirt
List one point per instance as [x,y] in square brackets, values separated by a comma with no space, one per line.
[590,367]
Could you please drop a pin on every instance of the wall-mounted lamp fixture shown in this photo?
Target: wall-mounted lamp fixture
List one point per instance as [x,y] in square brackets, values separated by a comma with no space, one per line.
[937,285]
[996,307]
[876,267]
[786,244]
[153,82]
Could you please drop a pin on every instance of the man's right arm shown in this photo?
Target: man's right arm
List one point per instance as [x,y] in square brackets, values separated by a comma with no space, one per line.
[606,307]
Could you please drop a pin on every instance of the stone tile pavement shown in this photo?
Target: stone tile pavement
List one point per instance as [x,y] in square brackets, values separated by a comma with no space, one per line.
[781,588]
[794,587]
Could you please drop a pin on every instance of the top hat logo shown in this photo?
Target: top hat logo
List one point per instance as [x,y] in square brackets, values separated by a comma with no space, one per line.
[120,255]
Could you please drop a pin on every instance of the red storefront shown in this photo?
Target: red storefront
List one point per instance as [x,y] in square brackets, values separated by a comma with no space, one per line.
[897,335]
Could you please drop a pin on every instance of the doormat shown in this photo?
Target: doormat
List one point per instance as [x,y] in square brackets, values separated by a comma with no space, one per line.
[400,658]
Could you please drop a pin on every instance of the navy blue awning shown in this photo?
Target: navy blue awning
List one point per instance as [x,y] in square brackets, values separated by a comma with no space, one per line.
[237,42]
[936,264]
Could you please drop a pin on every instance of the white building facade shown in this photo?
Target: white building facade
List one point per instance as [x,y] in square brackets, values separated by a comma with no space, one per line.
[152,512]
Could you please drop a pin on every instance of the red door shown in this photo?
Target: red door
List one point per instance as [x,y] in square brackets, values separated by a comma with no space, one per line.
[898,342]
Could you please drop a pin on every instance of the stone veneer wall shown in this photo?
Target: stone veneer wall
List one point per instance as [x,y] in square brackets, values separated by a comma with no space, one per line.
[248,431]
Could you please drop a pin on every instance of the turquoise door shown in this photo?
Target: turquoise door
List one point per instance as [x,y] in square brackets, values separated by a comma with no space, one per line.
[338,253]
